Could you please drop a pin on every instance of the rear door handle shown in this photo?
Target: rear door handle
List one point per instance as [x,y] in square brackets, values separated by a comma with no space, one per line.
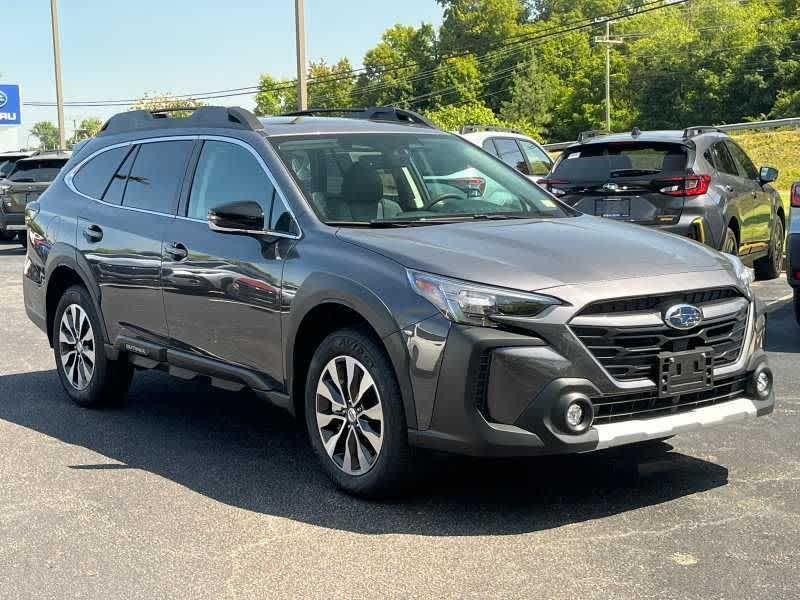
[176,251]
[93,233]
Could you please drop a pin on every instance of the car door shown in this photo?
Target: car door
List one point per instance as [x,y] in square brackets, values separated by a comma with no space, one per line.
[222,291]
[120,236]
[760,213]
[738,190]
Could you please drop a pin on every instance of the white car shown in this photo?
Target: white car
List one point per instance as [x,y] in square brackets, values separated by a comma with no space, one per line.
[512,147]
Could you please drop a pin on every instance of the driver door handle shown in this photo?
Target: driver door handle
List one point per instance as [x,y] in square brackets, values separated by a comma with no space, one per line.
[176,251]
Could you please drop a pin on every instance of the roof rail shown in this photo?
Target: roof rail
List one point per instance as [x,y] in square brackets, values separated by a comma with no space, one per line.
[699,130]
[592,133]
[372,113]
[477,128]
[202,116]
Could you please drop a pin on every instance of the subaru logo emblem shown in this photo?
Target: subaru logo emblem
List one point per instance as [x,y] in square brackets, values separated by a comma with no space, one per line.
[3,99]
[683,316]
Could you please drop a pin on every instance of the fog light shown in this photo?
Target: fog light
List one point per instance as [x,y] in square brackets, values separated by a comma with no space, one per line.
[763,384]
[574,415]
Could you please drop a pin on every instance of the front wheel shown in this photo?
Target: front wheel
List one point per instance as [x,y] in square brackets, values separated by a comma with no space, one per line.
[87,375]
[354,415]
[730,245]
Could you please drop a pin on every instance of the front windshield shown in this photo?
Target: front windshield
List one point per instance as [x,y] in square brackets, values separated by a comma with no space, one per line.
[36,171]
[413,178]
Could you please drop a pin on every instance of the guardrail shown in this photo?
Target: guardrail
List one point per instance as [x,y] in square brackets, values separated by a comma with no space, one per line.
[747,126]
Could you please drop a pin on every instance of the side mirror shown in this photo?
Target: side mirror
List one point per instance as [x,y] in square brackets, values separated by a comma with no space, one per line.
[768,174]
[237,217]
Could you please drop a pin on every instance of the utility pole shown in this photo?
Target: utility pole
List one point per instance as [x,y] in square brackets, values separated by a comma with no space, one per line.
[302,90]
[607,40]
[57,61]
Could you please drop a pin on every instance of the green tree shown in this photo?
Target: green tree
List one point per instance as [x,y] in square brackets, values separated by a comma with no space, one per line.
[151,102]
[399,67]
[456,81]
[331,86]
[275,96]
[87,128]
[452,118]
[476,25]
[47,134]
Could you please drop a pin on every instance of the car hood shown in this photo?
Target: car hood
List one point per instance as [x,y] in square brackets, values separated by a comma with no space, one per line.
[538,254]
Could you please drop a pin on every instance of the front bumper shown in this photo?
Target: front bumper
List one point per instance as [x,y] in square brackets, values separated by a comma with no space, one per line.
[501,393]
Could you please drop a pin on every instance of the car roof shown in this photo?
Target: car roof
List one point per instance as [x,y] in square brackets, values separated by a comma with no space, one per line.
[17,154]
[480,136]
[675,136]
[305,125]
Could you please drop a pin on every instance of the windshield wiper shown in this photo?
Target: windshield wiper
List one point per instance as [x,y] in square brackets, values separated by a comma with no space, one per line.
[633,172]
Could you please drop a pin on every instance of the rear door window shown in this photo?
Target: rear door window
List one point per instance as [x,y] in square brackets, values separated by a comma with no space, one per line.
[156,176]
[95,175]
[601,162]
[740,157]
[539,160]
[509,153]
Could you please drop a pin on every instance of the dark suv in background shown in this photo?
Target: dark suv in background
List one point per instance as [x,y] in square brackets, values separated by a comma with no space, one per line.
[25,181]
[327,265]
[698,183]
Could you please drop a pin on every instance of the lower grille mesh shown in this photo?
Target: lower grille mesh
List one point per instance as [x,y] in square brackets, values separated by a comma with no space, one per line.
[644,405]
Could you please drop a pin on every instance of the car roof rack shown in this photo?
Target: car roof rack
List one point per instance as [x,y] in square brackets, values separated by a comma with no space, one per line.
[700,130]
[592,133]
[371,113]
[476,128]
[202,116]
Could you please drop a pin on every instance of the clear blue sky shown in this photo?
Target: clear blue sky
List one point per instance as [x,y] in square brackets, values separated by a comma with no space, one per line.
[124,48]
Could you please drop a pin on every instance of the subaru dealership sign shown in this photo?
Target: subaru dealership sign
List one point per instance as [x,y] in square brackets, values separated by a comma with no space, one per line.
[10,105]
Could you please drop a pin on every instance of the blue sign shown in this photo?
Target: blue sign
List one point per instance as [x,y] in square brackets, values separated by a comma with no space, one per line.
[10,105]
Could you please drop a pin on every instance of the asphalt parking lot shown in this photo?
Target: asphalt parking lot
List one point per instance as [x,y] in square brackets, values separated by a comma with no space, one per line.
[189,492]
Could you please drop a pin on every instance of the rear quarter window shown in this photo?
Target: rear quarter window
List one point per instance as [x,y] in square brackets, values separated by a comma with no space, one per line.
[94,177]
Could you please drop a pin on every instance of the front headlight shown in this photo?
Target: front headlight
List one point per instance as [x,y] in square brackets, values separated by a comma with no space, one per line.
[473,304]
[745,275]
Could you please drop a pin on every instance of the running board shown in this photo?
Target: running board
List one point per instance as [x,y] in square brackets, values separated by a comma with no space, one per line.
[185,365]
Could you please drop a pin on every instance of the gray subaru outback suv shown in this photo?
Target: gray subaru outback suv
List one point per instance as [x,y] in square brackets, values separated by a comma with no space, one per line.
[325,264]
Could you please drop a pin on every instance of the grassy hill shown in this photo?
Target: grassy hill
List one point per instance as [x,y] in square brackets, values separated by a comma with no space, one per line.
[778,148]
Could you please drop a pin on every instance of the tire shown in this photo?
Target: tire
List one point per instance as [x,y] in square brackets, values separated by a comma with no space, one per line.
[771,265]
[730,244]
[88,376]
[374,459]
[7,236]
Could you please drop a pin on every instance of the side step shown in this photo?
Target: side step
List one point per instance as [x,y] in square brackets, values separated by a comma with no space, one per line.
[185,365]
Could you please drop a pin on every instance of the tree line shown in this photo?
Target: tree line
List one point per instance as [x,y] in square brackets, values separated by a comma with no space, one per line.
[534,65]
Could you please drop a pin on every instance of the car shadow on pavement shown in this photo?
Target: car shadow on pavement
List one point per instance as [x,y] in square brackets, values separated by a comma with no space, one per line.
[234,449]
[783,332]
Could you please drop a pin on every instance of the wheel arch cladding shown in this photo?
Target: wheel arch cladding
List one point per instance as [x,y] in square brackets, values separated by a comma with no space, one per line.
[64,274]
[327,303]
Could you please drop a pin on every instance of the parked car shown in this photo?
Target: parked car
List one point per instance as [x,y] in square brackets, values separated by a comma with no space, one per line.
[511,146]
[252,253]
[698,183]
[24,183]
[9,159]
[793,246]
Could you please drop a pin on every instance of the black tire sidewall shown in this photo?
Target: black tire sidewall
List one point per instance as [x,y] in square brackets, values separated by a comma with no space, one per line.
[93,394]
[388,473]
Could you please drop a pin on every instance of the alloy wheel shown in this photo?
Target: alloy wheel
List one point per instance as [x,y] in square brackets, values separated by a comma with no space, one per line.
[76,346]
[349,415]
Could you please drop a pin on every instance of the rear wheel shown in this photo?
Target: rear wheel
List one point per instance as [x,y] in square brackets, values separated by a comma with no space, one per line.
[730,244]
[771,265]
[354,415]
[87,375]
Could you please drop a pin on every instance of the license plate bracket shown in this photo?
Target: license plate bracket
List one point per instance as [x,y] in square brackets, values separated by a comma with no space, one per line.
[685,372]
[613,208]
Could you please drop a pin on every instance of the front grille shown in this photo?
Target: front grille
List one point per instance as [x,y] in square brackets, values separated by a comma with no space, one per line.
[630,353]
[645,405]
[649,303]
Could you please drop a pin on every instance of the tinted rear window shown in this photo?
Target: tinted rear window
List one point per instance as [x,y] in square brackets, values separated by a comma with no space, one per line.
[37,171]
[94,176]
[600,162]
[156,176]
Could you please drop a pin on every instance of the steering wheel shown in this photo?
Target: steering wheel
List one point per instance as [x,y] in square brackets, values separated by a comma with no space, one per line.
[442,198]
